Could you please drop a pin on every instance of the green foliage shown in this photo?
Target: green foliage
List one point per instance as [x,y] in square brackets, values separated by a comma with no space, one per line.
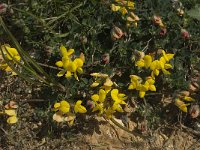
[41,27]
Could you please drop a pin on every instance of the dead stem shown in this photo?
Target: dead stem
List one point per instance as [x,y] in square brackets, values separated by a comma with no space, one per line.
[48,66]
[125,129]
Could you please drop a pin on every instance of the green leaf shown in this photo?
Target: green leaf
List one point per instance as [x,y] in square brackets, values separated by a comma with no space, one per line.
[195,12]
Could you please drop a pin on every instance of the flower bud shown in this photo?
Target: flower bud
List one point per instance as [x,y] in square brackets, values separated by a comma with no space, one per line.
[193,87]
[180,12]
[116,33]
[137,55]
[163,31]
[185,34]
[106,58]
[3,8]
[82,57]
[184,93]
[157,20]
[194,111]
[83,39]
[90,104]
[133,17]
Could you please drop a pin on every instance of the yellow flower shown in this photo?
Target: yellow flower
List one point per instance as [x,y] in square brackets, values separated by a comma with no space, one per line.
[181,105]
[135,82]
[69,117]
[109,112]
[70,67]
[189,99]
[95,83]
[145,62]
[58,117]
[10,112]
[123,10]
[117,107]
[10,53]
[99,97]
[65,52]
[147,86]
[63,106]
[12,116]
[117,97]
[115,7]
[107,86]
[168,56]
[140,63]
[78,108]
[12,119]
[155,67]
[98,106]
[132,18]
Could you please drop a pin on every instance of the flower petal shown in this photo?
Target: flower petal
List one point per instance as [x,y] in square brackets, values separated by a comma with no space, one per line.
[58,117]
[10,112]
[94,84]
[59,63]
[79,62]
[102,95]
[95,97]
[108,82]
[140,63]
[12,120]
[114,94]
[147,61]
[56,105]
[61,73]
[142,94]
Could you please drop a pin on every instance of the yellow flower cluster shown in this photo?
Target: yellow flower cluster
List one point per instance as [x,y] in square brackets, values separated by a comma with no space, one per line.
[156,65]
[10,111]
[122,6]
[107,101]
[63,113]
[147,61]
[126,8]
[11,54]
[136,83]
[69,67]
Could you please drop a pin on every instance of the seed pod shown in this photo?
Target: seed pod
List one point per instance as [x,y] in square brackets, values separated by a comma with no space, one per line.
[194,111]
[116,33]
